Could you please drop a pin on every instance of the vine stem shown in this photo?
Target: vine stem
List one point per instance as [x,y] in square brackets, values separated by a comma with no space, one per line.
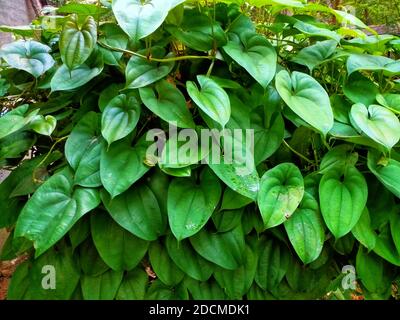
[132,53]
[297,153]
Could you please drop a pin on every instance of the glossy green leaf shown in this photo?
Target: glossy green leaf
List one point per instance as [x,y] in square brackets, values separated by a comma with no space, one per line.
[186,258]
[191,204]
[103,287]
[30,56]
[90,261]
[386,170]
[65,79]
[307,98]
[211,98]
[224,249]
[343,196]
[167,102]
[386,248]
[390,101]
[77,42]
[44,125]
[281,191]
[53,210]
[120,117]
[305,230]
[378,123]
[255,54]
[137,211]
[120,249]
[163,266]
[237,177]
[141,72]
[198,32]
[121,165]
[140,18]
[233,200]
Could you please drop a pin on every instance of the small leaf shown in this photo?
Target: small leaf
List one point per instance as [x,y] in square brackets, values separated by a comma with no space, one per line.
[102,287]
[44,125]
[77,42]
[120,117]
[30,56]
[15,120]
[139,18]
[212,99]
[224,249]
[255,54]
[306,97]
[168,103]
[137,211]
[281,191]
[378,123]
[141,72]
[316,54]
[343,196]
[190,205]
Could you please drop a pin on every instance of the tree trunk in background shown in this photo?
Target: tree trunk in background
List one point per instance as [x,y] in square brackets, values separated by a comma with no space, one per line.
[17,13]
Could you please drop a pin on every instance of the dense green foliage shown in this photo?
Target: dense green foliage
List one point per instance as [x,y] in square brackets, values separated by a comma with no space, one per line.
[320,190]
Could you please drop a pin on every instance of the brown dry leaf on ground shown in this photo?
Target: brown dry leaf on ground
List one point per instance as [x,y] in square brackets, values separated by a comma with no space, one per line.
[7,268]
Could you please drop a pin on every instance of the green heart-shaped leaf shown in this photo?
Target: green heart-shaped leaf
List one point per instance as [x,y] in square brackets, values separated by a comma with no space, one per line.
[120,117]
[141,18]
[55,203]
[343,196]
[378,123]
[281,191]
[212,99]
[307,98]
[137,211]
[77,42]
[255,54]
[30,56]
[191,205]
